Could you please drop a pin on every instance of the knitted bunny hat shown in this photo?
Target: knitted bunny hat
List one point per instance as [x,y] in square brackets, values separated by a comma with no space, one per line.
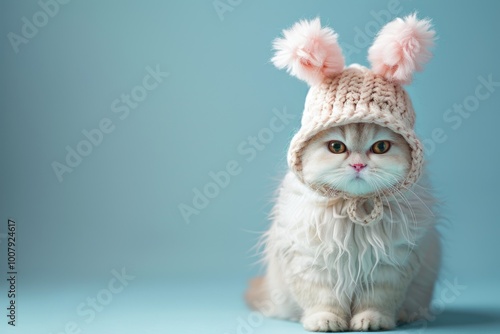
[340,95]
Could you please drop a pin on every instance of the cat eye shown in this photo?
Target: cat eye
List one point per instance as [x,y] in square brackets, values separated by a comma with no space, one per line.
[336,147]
[381,147]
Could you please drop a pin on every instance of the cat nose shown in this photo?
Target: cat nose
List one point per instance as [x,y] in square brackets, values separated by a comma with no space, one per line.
[358,167]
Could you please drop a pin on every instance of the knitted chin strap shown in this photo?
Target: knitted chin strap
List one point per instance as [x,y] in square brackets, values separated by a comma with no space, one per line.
[356,205]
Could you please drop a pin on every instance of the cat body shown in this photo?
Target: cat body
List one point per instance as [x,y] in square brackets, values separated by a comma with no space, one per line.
[353,243]
[335,274]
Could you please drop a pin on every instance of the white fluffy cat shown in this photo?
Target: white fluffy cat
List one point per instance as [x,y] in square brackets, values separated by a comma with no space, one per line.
[333,274]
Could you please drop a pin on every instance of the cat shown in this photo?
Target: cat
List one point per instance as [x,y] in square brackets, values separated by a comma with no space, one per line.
[333,274]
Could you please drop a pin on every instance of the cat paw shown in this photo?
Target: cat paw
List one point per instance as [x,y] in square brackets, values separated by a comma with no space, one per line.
[324,322]
[372,320]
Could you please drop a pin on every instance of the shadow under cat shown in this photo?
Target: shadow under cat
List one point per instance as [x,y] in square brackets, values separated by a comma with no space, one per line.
[463,317]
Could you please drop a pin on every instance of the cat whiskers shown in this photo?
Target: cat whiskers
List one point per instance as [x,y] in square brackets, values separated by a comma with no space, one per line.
[408,207]
[409,189]
[408,204]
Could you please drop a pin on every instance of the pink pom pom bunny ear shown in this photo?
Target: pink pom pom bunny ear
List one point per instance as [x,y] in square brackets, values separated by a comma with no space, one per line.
[401,48]
[309,52]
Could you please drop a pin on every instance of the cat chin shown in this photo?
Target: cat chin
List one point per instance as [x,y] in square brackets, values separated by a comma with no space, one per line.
[357,187]
[364,185]
[358,191]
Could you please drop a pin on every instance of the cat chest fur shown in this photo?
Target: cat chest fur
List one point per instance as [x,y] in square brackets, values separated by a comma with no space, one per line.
[319,243]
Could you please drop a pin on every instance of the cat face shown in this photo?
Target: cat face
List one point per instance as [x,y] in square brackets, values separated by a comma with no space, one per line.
[358,159]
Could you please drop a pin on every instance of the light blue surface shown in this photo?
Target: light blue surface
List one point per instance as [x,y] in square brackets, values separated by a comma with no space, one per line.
[216,307]
[119,207]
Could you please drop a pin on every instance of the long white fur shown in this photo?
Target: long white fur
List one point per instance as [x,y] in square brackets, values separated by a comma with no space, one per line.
[337,275]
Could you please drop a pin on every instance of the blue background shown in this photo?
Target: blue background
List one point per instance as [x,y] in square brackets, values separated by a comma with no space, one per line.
[119,208]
